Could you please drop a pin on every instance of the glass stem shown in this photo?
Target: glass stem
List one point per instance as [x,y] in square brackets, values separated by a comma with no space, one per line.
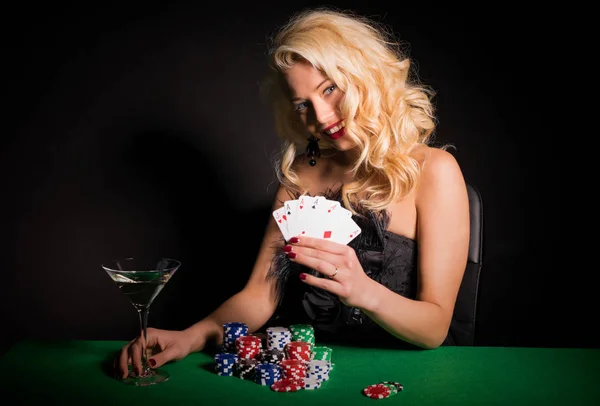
[143,314]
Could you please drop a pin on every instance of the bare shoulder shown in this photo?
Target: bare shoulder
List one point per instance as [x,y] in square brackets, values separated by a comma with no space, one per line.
[440,171]
[434,159]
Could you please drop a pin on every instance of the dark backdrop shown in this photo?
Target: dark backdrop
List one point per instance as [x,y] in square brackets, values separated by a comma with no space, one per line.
[138,128]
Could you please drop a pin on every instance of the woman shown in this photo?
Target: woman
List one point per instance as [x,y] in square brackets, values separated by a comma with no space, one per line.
[337,80]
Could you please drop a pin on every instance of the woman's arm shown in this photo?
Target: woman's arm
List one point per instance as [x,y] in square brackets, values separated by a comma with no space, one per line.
[443,228]
[253,305]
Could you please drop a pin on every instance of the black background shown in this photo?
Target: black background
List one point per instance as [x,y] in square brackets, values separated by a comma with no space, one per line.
[138,128]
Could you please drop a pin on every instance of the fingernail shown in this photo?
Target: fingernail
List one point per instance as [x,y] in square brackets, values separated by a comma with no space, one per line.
[152,362]
[287,248]
[291,255]
[302,276]
[294,240]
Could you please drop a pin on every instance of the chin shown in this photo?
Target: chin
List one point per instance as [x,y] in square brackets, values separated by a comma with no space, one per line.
[343,145]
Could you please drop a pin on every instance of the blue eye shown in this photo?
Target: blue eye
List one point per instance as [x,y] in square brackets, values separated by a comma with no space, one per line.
[300,106]
[330,89]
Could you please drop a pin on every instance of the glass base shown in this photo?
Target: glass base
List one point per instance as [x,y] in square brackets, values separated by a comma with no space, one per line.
[149,377]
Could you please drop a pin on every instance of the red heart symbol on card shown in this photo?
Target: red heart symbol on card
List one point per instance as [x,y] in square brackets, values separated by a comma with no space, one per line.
[301,206]
[285,217]
[279,221]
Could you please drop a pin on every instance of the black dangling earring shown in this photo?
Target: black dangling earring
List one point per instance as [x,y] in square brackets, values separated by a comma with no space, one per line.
[312,149]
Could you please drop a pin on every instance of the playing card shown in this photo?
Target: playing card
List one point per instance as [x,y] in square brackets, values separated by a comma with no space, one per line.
[282,221]
[324,218]
[301,219]
[316,217]
[290,210]
[346,231]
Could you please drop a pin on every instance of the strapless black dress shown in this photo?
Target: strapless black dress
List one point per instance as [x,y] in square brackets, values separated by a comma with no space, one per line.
[388,258]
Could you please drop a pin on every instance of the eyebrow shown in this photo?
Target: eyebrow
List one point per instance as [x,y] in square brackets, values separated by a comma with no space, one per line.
[316,88]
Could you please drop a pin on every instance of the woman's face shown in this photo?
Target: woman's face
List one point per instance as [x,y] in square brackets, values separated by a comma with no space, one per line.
[315,98]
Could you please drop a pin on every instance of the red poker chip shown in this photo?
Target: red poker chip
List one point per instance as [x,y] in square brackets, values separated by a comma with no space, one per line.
[377,391]
[287,385]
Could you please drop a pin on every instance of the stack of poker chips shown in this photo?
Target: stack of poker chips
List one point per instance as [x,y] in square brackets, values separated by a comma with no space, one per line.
[288,360]
[303,332]
[382,390]
[272,356]
[318,370]
[300,350]
[225,363]
[267,374]
[231,332]
[293,369]
[321,353]
[249,346]
[245,368]
[278,337]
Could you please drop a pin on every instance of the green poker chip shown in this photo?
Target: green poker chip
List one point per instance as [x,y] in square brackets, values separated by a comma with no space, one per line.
[397,385]
[393,388]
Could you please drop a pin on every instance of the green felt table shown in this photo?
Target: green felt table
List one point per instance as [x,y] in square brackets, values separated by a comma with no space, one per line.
[74,372]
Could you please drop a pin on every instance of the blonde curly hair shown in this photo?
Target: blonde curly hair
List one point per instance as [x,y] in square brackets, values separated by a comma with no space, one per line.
[387,111]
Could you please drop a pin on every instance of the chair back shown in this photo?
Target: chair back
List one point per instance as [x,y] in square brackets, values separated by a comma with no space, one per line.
[463,325]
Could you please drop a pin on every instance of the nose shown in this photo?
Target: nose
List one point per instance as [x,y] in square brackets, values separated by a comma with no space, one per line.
[323,111]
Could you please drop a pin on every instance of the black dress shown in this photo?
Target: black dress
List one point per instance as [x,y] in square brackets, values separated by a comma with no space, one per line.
[388,258]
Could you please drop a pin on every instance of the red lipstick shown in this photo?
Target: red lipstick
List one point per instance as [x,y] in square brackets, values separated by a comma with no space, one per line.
[336,135]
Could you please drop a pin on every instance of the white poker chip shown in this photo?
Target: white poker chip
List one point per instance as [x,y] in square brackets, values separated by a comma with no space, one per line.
[312,383]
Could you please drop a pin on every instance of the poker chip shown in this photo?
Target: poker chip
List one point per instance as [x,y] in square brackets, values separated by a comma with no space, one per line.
[271,356]
[312,383]
[285,359]
[231,332]
[278,337]
[398,385]
[321,353]
[377,391]
[287,385]
[300,350]
[303,333]
[393,388]
[293,368]
[267,374]
[245,368]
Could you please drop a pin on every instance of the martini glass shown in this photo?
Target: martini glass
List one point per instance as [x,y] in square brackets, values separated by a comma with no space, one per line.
[141,280]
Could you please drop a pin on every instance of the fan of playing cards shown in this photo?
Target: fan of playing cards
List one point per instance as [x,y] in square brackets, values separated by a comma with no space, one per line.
[316,217]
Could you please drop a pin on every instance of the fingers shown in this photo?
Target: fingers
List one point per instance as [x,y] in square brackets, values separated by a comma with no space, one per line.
[320,244]
[123,363]
[136,357]
[124,359]
[157,360]
[308,252]
[130,354]
[324,267]
[329,285]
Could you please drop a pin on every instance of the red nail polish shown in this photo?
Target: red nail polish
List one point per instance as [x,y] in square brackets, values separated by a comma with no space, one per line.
[302,276]
[294,240]
[152,362]
[291,255]
[287,248]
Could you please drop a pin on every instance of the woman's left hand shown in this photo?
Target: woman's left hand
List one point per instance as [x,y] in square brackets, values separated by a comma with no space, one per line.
[338,263]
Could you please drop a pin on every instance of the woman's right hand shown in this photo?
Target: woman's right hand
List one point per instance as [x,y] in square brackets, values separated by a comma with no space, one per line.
[163,346]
